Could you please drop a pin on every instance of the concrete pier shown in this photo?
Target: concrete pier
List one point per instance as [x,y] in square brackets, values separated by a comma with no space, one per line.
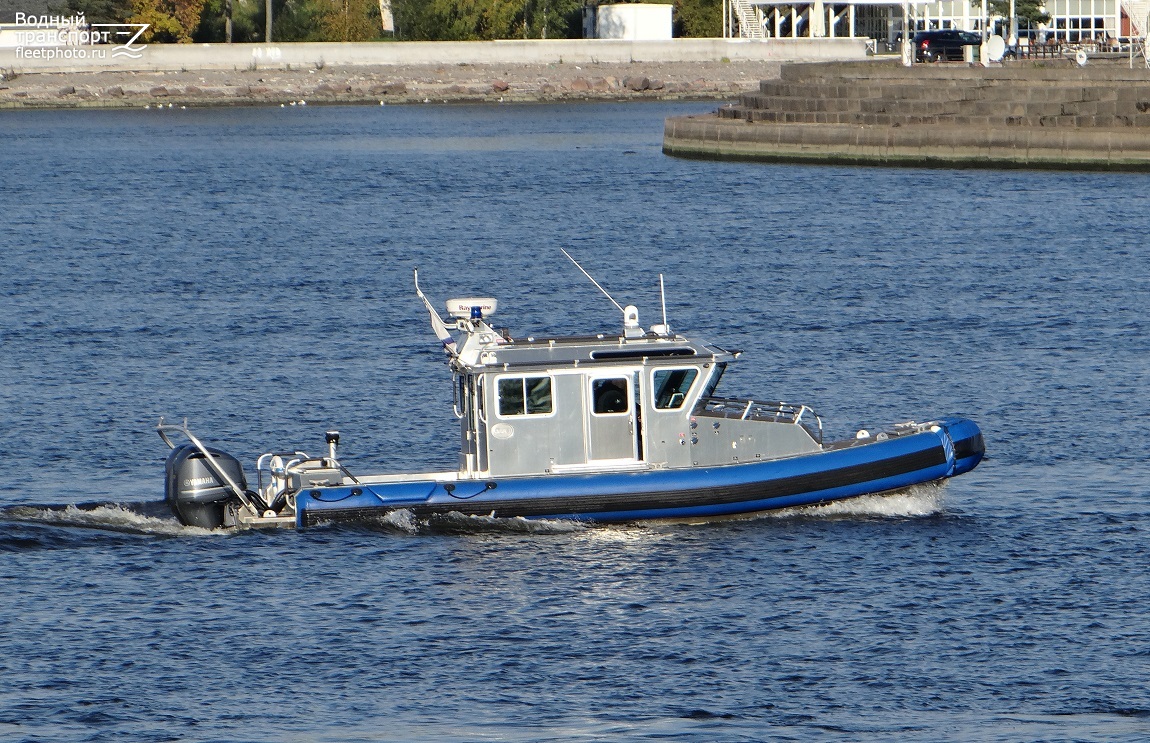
[1023,116]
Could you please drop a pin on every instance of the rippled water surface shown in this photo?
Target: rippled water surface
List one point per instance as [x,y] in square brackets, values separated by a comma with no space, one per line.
[251,269]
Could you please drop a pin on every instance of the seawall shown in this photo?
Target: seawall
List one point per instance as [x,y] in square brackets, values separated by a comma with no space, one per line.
[394,84]
[176,57]
[401,72]
[1022,116]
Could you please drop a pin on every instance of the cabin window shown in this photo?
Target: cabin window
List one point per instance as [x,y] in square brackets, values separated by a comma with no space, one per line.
[672,386]
[609,395]
[525,396]
[709,387]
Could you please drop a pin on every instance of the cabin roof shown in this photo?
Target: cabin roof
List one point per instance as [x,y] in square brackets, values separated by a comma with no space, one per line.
[593,350]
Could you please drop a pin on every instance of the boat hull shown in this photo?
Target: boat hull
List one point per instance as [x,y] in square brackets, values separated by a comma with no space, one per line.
[950,447]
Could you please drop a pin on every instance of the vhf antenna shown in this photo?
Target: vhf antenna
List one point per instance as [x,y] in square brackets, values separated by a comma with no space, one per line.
[593,281]
[663,299]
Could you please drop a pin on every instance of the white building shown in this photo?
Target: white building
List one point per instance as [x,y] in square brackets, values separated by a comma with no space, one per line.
[630,21]
[1070,20]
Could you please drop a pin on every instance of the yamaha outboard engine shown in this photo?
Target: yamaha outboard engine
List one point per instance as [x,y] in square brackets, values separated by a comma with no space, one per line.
[194,493]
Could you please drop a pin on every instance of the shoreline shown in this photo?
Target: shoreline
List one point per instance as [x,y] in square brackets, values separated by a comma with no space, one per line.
[387,84]
[935,116]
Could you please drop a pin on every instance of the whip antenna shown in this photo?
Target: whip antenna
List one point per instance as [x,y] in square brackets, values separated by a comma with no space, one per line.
[663,299]
[593,281]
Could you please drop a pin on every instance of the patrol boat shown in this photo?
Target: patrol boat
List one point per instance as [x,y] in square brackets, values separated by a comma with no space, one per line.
[613,427]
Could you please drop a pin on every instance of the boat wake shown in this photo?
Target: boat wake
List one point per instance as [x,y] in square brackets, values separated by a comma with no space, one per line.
[460,524]
[152,518]
[457,523]
[914,502]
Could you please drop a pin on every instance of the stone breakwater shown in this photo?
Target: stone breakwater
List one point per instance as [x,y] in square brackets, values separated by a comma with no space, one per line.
[387,84]
[1028,116]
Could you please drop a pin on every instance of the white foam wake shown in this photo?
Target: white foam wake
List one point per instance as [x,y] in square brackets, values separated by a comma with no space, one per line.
[113,517]
[913,502]
[510,524]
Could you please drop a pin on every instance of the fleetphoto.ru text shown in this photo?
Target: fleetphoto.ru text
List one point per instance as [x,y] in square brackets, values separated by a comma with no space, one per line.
[51,37]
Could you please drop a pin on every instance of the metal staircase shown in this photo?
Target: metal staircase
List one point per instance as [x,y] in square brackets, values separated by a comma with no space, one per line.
[750,27]
[1137,11]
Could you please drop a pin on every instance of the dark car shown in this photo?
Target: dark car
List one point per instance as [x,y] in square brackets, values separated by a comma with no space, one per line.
[944,45]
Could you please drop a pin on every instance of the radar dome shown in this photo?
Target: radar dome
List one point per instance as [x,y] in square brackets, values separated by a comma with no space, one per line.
[462,308]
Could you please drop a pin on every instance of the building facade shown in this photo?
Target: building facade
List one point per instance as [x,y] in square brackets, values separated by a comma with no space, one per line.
[1071,21]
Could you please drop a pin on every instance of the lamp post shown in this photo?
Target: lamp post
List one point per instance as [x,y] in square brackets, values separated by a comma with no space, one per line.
[907,52]
[268,25]
[1013,24]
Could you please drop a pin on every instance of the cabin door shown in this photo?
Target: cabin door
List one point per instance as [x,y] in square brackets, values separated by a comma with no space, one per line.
[469,407]
[480,414]
[612,417]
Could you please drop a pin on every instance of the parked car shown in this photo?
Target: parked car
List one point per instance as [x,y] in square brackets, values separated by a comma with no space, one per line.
[944,45]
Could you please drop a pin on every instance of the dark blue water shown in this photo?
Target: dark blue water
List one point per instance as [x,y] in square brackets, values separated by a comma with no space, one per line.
[251,270]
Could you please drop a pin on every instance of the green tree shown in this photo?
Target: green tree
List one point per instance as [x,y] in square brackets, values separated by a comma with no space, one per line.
[551,19]
[348,20]
[98,11]
[699,18]
[168,20]
[292,20]
[440,20]
[467,20]
[246,28]
[1026,10]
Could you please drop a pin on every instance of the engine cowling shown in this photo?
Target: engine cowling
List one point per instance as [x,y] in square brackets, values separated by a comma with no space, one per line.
[195,494]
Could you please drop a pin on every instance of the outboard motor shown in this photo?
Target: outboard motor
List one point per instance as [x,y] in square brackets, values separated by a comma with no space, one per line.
[196,496]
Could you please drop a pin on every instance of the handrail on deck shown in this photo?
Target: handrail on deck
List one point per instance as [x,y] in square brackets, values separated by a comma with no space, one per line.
[776,412]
